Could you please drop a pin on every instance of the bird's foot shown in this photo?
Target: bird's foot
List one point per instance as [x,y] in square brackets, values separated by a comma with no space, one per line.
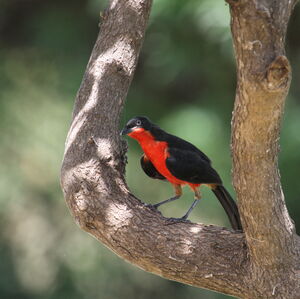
[151,206]
[172,220]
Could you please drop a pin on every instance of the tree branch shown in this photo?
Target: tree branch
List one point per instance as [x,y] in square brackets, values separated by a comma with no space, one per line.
[264,76]
[92,175]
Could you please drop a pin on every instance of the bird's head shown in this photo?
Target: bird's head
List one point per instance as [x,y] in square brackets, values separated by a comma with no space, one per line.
[136,126]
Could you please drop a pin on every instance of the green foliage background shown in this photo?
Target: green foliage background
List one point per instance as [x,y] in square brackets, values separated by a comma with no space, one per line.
[185,82]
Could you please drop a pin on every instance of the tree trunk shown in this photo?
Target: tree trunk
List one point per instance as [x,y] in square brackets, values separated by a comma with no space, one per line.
[264,74]
[261,263]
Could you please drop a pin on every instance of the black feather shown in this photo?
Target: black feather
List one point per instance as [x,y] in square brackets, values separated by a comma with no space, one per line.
[176,142]
[189,166]
[149,169]
[229,206]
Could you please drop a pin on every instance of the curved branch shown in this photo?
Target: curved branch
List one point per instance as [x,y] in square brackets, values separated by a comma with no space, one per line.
[92,175]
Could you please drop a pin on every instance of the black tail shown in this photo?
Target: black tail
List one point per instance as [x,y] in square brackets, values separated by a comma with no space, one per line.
[229,206]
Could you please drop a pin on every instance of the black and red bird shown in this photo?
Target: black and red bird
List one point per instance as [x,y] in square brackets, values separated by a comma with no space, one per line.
[167,157]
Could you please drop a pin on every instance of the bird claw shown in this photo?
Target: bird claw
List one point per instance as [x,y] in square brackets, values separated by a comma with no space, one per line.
[150,206]
[177,220]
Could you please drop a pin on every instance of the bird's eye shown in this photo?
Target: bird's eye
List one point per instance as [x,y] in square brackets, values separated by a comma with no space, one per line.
[138,123]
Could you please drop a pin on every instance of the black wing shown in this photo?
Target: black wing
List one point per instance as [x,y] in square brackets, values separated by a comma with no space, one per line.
[191,167]
[149,169]
[176,142]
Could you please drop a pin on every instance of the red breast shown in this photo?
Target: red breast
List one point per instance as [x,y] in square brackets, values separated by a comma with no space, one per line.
[157,153]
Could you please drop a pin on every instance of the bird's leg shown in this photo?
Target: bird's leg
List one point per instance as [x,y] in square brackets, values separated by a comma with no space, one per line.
[197,193]
[197,197]
[178,193]
[186,215]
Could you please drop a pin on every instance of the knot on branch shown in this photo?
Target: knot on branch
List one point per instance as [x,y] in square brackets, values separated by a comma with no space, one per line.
[278,74]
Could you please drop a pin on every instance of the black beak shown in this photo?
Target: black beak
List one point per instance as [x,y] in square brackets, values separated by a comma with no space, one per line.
[125,131]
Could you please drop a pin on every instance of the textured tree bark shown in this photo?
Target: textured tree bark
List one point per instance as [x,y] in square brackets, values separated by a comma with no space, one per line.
[263,262]
[264,74]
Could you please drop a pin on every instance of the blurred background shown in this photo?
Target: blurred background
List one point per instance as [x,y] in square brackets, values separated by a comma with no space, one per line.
[185,82]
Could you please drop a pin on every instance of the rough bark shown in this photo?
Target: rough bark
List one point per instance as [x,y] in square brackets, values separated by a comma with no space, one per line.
[264,74]
[263,262]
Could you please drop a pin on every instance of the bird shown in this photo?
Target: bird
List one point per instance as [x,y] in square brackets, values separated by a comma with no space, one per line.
[170,158]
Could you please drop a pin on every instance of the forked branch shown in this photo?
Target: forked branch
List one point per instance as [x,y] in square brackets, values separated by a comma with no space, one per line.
[93,182]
